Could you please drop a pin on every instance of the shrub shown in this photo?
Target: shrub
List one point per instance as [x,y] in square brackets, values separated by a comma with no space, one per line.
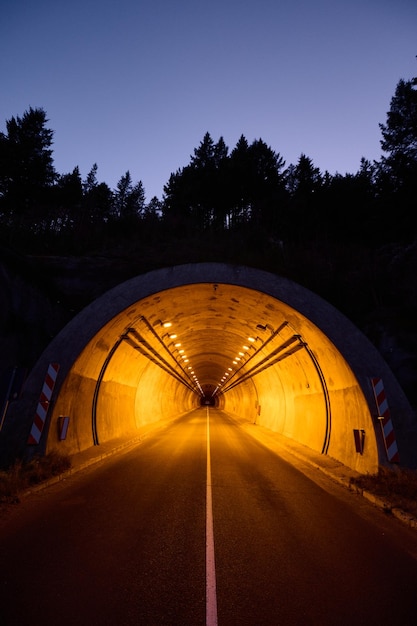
[21,476]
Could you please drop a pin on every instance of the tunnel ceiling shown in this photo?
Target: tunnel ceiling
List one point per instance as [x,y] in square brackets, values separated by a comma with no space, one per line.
[212,334]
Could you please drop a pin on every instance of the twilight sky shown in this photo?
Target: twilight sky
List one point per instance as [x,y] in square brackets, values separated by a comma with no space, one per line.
[135,84]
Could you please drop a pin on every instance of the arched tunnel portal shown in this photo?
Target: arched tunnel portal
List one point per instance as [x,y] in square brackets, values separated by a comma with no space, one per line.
[254,344]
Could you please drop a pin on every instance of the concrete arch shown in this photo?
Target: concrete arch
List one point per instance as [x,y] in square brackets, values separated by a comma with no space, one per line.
[305,373]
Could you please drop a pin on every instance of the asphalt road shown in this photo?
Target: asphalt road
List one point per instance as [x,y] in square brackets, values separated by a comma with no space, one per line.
[125,542]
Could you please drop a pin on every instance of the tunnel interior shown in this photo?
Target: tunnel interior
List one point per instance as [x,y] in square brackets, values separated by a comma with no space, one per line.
[228,346]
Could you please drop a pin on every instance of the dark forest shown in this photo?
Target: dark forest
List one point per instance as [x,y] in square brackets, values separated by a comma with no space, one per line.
[351,238]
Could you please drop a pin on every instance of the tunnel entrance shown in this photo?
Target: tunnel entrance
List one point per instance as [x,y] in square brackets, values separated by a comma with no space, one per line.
[249,342]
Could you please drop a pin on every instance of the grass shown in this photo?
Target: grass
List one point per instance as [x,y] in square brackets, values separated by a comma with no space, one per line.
[398,487]
[21,476]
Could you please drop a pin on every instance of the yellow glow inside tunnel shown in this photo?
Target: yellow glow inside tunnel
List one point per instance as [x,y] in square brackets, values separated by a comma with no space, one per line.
[251,354]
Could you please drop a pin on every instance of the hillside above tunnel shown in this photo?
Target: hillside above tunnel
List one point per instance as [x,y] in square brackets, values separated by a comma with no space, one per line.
[375,289]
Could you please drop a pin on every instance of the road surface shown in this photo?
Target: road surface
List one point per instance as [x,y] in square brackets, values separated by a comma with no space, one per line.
[202,524]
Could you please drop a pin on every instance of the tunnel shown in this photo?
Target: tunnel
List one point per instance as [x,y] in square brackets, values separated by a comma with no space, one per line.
[256,345]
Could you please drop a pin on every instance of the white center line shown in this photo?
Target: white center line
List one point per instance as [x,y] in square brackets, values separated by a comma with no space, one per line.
[211,599]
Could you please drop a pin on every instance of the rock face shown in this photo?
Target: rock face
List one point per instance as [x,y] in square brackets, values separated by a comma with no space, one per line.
[29,315]
[40,295]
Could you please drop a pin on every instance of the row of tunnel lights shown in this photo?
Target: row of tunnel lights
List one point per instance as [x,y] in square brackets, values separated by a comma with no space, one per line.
[236,361]
[229,371]
[183,356]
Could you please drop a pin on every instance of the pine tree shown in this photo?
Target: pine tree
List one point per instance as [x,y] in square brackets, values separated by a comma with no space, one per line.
[91,181]
[399,134]
[397,176]
[121,196]
[204,154]
[26,163]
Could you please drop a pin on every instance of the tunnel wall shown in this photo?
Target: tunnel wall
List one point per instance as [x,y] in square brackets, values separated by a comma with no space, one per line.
[128,397]
[296,409]
[80,350]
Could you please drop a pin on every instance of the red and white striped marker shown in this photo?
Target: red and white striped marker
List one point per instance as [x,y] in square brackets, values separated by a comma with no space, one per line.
[385,419]
[43,404]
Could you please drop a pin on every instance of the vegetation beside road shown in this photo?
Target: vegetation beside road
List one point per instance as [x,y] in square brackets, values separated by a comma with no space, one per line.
[21,476]
[398,488]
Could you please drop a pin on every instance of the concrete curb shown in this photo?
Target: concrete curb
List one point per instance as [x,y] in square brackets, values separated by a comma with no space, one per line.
[94,455]
[124,447]
[344,481]
[386,506]
[377,501]
[380,503]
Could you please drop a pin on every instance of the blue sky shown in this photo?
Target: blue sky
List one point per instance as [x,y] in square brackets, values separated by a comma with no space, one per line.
[135,84]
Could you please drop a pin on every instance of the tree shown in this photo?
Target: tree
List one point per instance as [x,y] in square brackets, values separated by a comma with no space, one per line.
[206,181]
[194,197]
[71,187]
[267,185]
[239,183]
[204,154]
[220,153]
[216,191]
[397,177]
[153,210]
[97,200]
[121,195]
[303,179]
[399,134]
[129,199]
[151,220]
[175,203]
[26,163]
[91,181]
[136,203]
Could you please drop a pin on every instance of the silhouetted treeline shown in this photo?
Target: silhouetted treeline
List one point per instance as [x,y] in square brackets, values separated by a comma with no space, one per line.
[247,189]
